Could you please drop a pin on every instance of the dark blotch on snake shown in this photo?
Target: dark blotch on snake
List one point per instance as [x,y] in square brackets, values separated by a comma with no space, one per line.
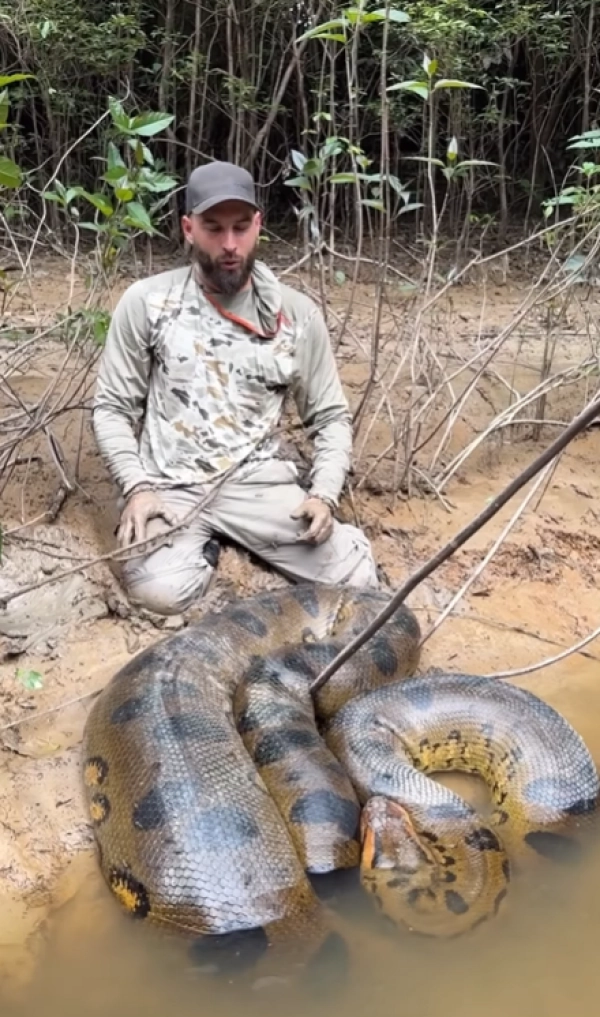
[552,791]
[449,810]
[224,826]
[276,745]
[581,806]
[418,693]
[190,727]
[297,661]
[326,807]
[171,685]
[251,622]
[483,840]
[269,602]
[229,953]
[396,883]
[384,656]
[553,845]
[320,654]
[306,597]
[455,902]
[150,813]
[129,710]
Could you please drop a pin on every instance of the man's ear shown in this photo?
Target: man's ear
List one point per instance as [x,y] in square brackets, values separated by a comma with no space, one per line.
[186,226]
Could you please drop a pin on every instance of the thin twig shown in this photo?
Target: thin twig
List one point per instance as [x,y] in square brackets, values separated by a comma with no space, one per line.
[549,660]
[490,554]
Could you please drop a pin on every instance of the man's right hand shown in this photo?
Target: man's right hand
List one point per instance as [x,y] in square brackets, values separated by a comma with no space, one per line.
[139,509]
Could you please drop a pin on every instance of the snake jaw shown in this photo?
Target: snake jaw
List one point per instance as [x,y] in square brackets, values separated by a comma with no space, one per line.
[388,837]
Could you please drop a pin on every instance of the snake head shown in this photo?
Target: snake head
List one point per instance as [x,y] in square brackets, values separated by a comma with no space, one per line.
[389,840]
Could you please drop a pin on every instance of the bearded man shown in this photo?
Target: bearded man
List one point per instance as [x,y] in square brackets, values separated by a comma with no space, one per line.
[197,364]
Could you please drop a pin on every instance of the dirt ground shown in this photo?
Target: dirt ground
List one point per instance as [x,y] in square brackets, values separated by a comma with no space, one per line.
[62,641]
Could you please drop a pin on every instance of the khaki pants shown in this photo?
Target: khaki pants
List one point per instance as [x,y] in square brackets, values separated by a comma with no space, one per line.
[255,513]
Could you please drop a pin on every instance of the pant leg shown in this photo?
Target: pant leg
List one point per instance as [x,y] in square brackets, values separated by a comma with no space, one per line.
[255,512]
[168,580]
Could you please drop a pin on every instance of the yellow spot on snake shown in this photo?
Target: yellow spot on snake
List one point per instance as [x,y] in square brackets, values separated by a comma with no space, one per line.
[130,892]
[95,772]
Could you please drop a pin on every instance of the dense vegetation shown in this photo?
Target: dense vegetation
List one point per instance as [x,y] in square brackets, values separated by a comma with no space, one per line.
[242,81]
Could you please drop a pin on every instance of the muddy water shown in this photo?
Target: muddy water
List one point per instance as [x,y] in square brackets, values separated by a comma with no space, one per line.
[537,959]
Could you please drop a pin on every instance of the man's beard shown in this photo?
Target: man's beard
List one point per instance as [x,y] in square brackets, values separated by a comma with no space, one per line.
[224,280]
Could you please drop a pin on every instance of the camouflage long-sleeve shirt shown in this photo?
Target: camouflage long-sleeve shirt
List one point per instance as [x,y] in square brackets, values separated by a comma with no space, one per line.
[184,391]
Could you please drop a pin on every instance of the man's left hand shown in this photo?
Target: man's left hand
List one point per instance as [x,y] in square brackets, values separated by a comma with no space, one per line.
[321,516]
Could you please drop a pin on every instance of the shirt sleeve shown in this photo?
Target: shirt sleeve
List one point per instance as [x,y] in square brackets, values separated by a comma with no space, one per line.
[323,409]
[121,390]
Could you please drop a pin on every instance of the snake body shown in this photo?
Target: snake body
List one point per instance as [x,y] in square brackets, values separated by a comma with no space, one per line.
[215,783]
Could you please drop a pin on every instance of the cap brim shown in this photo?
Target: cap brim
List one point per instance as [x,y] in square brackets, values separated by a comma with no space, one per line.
[218,199]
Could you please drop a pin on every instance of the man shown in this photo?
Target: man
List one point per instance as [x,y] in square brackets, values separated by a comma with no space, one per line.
[199,360]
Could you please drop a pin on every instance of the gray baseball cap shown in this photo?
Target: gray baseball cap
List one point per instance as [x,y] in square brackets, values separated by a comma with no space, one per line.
[216,182]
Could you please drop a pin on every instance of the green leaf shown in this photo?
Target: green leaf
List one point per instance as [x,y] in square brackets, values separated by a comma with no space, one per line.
[371,203]
[4,108]
[9,79]
[10,174]
[332,37]
[95,227]
[99,202]
[158,182]
[417,87]
[411,207]
[119,117]
[116,173]
[298,159]
[452,83]
[73,192]
[124,193]
[429,66]
[318,30]
[339,277]
[313,168]
[138,217]
[425,158]
[393,15]
[301,182]
[475,162]
[149,124]
[343,178]
[114,157]
[30,679]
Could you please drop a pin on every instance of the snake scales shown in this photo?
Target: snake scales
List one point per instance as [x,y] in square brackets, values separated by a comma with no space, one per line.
[212,792]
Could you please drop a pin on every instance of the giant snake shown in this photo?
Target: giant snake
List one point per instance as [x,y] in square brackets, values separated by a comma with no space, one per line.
[215,783]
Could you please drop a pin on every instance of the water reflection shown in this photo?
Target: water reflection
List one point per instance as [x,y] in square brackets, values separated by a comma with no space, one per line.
[537,959]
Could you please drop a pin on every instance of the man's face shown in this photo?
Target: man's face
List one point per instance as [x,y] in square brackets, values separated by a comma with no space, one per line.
[224,243]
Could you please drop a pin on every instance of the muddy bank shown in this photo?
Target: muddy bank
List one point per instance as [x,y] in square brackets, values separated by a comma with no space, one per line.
[62,642]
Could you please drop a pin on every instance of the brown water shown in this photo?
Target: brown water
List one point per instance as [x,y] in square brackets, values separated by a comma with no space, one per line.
[538,958]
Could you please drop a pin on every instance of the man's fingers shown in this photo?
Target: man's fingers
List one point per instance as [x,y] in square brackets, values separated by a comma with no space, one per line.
[170,517]
[124,535]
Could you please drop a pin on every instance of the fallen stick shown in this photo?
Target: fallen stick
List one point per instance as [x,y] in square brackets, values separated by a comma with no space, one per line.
[578,424]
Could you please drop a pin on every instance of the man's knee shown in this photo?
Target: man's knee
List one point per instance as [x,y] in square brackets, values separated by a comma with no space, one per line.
[166,592]
[351,560]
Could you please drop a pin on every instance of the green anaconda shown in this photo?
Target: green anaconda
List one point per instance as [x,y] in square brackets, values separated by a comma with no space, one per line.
[213,790]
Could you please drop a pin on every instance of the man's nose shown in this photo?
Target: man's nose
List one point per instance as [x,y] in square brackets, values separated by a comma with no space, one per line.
[230,241]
